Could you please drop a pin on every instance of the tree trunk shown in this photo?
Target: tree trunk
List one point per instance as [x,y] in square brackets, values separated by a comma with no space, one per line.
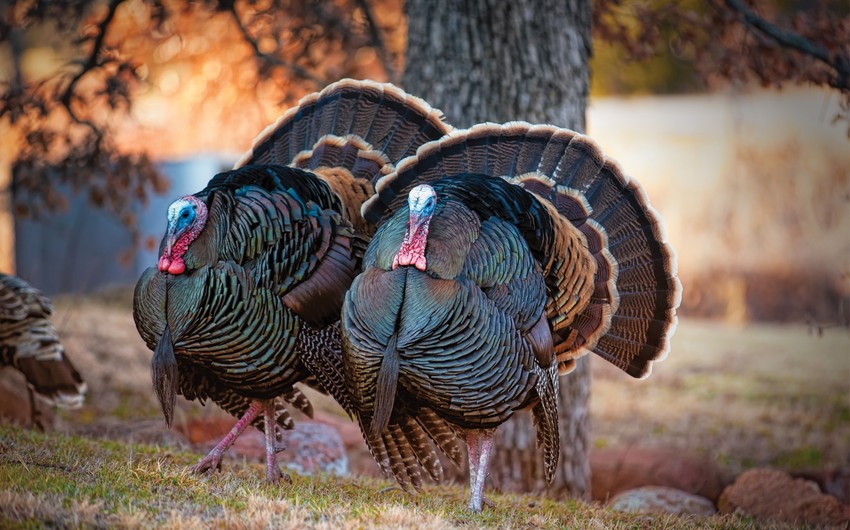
[488,60]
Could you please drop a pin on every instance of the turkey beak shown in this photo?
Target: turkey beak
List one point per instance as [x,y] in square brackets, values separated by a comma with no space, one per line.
[169,241]
[416,220]
[171,236]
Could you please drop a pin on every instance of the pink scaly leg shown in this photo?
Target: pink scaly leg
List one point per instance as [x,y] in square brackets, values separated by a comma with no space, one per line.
[213,459]
[273,473]
[485,447]
[472,450]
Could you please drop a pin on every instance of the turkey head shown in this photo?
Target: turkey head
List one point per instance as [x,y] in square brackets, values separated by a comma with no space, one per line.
[421,200]
[186,218]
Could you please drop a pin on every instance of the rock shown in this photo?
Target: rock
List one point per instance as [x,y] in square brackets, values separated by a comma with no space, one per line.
[834,481]
[360,460]
[771,494]
[348,429]
[614,470]
[312,447]
[659,499]
[199,431]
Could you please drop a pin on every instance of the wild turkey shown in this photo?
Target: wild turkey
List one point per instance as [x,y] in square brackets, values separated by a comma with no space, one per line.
[29,343]
[254,267]
[506,252]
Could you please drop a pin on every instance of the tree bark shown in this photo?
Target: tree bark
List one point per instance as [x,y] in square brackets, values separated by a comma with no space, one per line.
[488,60]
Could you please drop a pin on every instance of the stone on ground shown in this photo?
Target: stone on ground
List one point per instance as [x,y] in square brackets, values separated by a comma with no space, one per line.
[770,494]
[660,499]
[614,470]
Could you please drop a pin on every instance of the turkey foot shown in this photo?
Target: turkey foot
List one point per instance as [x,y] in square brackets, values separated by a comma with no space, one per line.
[274,476]
[211,462]
[213,458]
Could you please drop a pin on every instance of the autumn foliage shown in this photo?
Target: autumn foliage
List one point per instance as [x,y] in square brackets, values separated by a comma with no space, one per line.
[73,117]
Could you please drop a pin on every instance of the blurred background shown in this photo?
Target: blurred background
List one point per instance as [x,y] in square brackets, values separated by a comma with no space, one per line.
[752,180]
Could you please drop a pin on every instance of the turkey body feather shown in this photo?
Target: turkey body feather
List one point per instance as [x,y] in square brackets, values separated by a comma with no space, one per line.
[228,315]
[460,314]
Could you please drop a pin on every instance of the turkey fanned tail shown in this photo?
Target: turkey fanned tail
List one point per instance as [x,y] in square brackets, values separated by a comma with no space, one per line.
[590,214]
[350,134]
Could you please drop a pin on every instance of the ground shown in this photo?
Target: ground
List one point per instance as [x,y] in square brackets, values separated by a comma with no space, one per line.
[742,396]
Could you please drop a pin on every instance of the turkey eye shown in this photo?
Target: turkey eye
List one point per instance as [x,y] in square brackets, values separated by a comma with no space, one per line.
[184,214]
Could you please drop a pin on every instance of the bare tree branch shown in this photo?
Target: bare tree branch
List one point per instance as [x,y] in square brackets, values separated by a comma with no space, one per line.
[88,66]
[16,41]
[378,41]
[93,60]
[839,63]
[271,59]
[67,120]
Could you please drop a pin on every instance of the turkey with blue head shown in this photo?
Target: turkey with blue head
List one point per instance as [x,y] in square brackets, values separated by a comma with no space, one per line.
[504,253]
[245,299]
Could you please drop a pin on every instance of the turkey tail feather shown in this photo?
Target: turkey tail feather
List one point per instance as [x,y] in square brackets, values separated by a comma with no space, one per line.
[55,380]
[447,436]
[340,125]
[386,385]
[164,375]
[403,450]
[647,288]
[30,343]
[419,442]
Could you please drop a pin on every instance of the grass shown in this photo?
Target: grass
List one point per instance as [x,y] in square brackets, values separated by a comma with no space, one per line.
[742,396]
[71,481]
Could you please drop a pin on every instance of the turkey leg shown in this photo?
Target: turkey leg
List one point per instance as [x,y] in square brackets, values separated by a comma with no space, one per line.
[213,459]
[472,449]
[273,473]
[480,446]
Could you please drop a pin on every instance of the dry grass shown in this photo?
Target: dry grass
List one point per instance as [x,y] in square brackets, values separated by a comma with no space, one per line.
[70,481]
[743,396]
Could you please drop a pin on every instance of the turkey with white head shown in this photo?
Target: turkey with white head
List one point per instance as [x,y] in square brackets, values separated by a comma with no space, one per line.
[504,253]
